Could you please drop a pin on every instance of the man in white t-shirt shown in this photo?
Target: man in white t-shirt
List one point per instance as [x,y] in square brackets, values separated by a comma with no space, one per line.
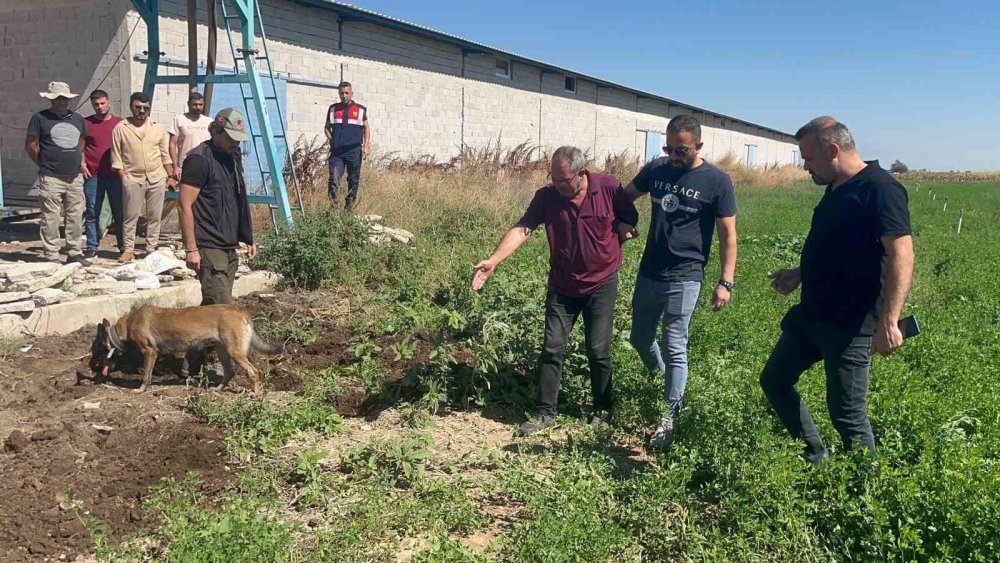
[187,131]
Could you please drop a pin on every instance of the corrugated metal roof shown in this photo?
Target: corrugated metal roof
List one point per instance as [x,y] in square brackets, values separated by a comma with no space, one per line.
[356,13]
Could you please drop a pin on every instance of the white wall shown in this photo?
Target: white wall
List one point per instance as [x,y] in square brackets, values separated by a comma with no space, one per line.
[424,96]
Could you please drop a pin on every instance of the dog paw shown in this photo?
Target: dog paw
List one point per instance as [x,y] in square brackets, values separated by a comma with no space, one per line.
[141,389]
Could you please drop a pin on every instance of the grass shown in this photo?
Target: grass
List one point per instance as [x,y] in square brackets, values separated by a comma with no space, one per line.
[732,488]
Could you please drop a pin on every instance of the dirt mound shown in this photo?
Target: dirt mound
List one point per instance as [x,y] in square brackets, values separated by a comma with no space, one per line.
[71,448]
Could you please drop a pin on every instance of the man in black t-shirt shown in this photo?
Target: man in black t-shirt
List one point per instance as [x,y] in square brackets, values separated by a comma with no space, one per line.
[690,199]
[215,213]
[855,271]
[55,143]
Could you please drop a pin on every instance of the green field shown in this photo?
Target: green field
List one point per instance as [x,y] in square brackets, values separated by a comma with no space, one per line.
[732,488]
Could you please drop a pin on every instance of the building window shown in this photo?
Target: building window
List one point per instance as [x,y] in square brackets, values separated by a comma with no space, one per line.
[503,68]
[570,84]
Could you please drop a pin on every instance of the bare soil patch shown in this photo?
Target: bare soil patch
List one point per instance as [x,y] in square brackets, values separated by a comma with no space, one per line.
[71,447]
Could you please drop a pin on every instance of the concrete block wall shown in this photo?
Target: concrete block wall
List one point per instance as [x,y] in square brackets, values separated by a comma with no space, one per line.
[425,96]
[72,41]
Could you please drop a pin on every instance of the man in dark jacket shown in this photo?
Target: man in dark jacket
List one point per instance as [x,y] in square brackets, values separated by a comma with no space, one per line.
[215,213]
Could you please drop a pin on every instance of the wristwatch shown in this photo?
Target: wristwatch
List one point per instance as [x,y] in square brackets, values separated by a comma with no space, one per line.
[727,284]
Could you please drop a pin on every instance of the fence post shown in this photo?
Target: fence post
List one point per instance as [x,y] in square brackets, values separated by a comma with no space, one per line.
[961,215]
[945,204]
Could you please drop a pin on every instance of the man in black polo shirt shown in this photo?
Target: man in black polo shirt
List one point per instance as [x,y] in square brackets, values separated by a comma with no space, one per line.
[215,213]
[855,271]
[348,130]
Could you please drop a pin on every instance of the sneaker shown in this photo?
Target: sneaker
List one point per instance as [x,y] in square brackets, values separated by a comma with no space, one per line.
[600,419]
[539,423]
[663,435]
[126,256]
[90,253]
[78,259]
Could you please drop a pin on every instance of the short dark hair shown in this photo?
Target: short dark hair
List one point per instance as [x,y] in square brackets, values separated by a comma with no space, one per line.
[828,131]
[345,84]
[138,97]
[98,94]
[194,96]
[681,123]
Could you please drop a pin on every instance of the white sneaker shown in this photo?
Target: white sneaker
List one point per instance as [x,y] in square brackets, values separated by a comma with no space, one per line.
[663,435]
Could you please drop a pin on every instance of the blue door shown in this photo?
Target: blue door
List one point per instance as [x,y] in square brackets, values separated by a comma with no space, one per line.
[654,145]
[751,155]
[229,95]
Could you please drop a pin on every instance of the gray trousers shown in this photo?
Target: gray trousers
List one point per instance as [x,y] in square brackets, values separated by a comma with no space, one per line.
[846,357]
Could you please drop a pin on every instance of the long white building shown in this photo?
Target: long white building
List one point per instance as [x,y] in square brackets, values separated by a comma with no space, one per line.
[427,92]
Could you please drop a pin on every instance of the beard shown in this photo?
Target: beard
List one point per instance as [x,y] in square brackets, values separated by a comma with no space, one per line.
[685,164]
[819,181]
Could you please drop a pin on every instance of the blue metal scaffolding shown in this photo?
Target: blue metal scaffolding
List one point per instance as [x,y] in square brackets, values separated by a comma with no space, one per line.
[255,97]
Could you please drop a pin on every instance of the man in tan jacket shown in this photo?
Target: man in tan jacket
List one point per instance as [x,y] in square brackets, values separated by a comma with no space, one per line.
[140,155]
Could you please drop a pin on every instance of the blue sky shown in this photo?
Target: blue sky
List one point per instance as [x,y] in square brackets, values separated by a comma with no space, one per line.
[916,81]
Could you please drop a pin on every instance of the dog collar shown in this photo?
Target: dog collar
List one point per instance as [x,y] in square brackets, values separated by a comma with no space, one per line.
[115,341]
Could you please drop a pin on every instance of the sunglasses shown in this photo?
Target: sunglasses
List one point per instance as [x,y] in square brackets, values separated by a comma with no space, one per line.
[679,151]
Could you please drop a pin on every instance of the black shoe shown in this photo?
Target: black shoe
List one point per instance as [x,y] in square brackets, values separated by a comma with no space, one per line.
[600,419]
[90,253]
[78,259]
[539,423]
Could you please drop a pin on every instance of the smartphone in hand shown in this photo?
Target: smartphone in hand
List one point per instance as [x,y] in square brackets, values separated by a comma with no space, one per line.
[909,327]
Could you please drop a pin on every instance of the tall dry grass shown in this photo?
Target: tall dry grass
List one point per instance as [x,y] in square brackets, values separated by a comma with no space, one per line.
[950,176]
[498,181]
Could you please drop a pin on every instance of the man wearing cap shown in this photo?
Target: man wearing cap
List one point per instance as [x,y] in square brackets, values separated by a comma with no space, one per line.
[215,212]
[55,143]
[100,180]
[140,154]
[350,135]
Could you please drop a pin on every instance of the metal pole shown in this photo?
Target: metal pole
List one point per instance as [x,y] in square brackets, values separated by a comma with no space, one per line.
[192,17]
[213,41]
[149,10]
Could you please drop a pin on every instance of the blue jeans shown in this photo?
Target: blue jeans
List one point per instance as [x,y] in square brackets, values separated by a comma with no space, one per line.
[94,190]
[674,301]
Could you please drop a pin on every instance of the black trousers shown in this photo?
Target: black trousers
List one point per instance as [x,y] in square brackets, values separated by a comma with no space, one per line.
[351,162]
[846,357]
[561,312]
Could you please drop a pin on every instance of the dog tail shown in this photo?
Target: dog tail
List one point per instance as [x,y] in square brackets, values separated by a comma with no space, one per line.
[258,344]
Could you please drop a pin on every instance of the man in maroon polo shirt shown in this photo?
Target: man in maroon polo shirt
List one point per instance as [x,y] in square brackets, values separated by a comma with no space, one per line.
[587,217]
[100,180]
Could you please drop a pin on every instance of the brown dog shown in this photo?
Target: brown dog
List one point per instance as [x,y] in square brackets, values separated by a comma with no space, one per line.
[159,330]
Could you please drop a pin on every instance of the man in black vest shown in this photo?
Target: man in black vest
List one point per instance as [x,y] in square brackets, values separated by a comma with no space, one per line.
[215,213]
[350,135]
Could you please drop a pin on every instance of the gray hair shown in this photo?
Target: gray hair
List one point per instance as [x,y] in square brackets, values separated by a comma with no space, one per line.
[571,155]
[828,131]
